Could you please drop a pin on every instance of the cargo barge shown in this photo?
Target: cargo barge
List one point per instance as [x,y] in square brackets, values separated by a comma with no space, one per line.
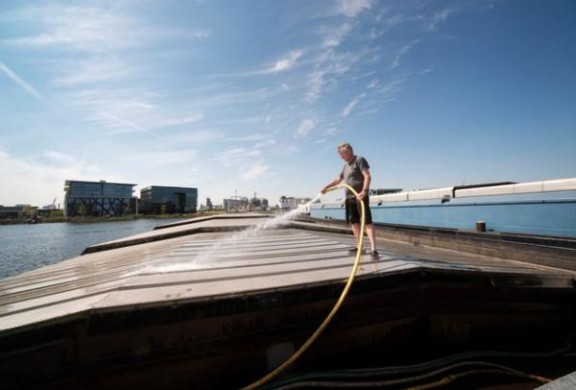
[545,208]
[217,303]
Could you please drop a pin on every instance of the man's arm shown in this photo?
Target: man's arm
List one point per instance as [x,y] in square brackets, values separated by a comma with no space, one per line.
[333,183]
[366,185]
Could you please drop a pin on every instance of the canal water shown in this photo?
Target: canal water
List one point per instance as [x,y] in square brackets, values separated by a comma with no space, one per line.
[27,247]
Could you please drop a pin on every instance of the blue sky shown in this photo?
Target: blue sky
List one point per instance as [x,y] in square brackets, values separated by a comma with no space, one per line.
[243,97]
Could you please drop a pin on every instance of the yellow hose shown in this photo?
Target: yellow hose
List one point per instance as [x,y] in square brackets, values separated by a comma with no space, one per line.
[332,313]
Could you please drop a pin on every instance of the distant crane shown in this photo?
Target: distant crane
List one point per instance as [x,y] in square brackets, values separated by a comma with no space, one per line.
[51,206]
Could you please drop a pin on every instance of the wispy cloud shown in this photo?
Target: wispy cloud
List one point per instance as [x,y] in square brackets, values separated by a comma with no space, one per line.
[306,126]
[92,71]
[197,137]
[285,63]
[256,171]
[351,8]
[227,97]
[402,52]
[333,36]
[79,28]
[94,28]
[350,106]
[123,109]
[60,158]
[177,121]
[237,156]
[438,18]
[125,125]
[329,67]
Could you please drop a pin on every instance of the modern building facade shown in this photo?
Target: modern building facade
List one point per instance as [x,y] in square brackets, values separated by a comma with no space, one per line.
[168,200]
[98,198]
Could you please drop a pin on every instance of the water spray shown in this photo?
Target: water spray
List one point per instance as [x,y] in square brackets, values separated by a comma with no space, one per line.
[209,253]
[336,307]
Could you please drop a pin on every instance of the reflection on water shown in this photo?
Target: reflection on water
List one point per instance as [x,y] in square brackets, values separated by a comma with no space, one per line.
[27,247]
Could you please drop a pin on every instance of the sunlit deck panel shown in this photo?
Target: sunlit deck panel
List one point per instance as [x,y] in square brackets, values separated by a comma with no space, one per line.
[168,293]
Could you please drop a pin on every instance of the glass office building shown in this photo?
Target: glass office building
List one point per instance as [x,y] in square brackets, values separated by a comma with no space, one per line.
[168,200]
[98,198]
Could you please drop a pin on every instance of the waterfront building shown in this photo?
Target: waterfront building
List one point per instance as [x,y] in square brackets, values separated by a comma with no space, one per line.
[168,200]
[244,204]
[98,198]
[236,205]
[18,212]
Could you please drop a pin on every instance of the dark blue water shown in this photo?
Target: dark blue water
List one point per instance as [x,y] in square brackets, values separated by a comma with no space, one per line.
[27,247]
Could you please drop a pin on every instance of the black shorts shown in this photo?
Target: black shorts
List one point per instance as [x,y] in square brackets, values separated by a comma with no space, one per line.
[354,211]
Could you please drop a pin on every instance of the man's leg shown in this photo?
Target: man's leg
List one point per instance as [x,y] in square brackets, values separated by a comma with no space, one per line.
[356,232]
[371,233]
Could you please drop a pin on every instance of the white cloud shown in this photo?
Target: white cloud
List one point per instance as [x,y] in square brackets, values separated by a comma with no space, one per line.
[438,18]
[306,126]
[255,171]
[351,8]
[392,87]
[329,67]
[350,106]
[333,37]
[287,62]
[373,84]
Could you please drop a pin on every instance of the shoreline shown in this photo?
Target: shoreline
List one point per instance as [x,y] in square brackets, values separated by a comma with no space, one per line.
[82,220]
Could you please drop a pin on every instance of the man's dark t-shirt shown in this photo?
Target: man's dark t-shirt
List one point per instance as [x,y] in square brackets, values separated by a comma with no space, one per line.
[352,175]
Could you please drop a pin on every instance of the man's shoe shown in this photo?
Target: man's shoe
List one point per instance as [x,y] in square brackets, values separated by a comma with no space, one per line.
[374,254]
[354,250]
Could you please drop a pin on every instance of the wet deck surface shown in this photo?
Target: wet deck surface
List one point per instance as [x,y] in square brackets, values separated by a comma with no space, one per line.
[223,257]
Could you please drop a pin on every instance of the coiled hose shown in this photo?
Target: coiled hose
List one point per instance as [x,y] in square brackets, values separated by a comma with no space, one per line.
[334,310]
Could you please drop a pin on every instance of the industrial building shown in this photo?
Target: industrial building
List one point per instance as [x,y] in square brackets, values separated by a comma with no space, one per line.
[98,198]
[168,200]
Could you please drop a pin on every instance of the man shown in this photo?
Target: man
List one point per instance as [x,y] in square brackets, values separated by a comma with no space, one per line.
[356,173]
